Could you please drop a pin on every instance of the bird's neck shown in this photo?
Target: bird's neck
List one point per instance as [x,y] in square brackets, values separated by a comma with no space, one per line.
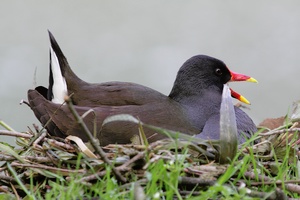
[194,95]
[207,100]
[200,107]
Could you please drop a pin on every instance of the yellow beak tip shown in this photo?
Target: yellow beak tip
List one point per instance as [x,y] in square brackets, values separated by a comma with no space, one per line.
[244,100]
[252,80]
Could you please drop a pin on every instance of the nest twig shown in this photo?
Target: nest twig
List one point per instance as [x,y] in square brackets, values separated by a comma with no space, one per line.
[43,158]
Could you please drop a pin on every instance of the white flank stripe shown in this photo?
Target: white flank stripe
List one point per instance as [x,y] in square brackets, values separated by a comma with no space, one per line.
[59,83]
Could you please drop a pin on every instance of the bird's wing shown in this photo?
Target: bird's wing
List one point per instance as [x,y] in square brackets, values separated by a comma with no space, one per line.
[115,94]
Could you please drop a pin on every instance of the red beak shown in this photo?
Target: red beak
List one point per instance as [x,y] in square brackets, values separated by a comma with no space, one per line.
[239,97]
[240,77]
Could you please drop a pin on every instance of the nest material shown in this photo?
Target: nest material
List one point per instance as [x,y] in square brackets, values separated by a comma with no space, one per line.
[43,158]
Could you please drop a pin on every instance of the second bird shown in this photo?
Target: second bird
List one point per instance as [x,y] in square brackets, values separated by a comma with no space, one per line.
[192,107]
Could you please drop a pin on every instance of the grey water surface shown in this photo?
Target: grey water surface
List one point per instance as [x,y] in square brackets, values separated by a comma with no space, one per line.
[146,42]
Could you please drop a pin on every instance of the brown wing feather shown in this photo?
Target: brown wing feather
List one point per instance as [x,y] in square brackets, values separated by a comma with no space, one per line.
[62,122]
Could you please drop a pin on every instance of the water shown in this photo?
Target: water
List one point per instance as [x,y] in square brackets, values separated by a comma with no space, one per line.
[146,43]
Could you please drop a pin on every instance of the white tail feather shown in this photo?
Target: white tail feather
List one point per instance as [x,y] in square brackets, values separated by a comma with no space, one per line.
[59,89]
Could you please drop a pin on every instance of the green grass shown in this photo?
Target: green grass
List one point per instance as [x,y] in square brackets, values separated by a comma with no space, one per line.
[161,182]
[169,169]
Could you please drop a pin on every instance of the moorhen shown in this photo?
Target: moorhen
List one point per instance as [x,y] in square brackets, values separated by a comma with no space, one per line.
[191,107]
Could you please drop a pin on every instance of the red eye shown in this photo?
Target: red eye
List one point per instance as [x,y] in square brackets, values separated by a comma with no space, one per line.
[218,72]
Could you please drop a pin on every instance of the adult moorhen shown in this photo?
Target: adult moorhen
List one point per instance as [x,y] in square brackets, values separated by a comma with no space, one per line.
[192,107]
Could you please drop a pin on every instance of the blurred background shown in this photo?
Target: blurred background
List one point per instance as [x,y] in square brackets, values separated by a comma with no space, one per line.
[147,42]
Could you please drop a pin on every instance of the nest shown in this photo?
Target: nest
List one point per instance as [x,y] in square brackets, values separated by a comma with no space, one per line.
[41,158]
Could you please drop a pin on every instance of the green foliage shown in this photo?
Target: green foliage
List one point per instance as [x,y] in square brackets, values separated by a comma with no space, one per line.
[167,169]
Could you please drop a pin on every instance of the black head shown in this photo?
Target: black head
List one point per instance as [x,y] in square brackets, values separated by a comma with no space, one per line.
[197,74]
